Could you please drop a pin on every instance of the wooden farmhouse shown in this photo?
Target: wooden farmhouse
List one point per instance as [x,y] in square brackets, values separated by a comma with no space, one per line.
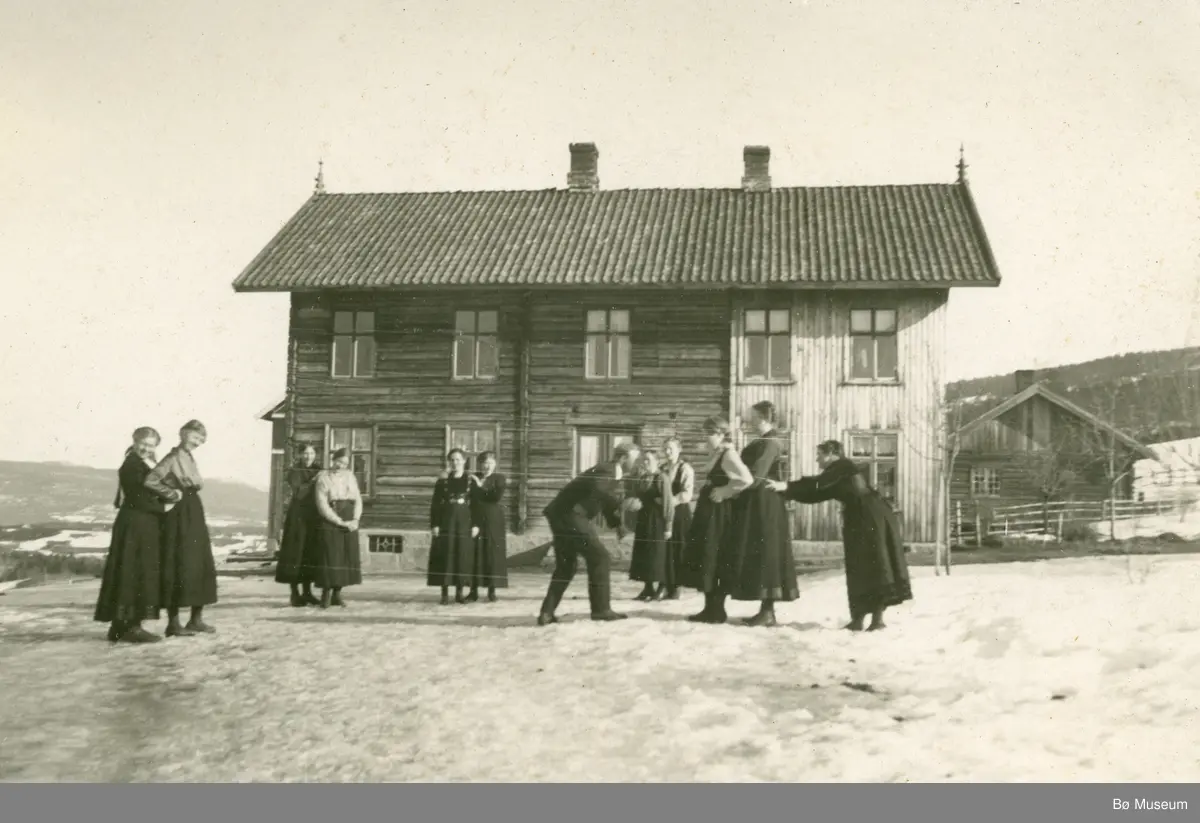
[1035,446]
[550,325]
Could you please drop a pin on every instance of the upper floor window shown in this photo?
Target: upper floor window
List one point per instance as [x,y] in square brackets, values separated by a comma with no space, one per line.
[768,336]
[608,349]
[353,344]
[873,351]
[476,345]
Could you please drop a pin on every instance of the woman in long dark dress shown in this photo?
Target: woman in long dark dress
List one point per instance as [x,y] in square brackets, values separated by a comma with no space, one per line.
[650,562]
[489,515]
[713,520]
[759,564]
[189,573]
[130,588]
[682,479]
[336,562]
[294,566]
[876,571]
[452,553]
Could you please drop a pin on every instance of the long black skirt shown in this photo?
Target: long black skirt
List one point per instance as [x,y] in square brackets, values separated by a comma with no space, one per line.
[876,570]
[709,531]
[677,545]
[491,549]
[297,549]
[452,555]
[757,561]
[650,561]
[336,562]
[130,588]
[189,573]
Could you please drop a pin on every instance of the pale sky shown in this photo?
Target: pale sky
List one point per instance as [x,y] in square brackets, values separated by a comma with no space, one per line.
[149,150]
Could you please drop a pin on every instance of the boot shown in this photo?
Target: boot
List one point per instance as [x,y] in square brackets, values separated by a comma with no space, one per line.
[600,599]
[554,596]
[713,611]
[659,593]
[136,634]
[473,597]
[196,623]
[326,598]
[174,629]
[445,601]
[491,595]
[672,593]
[296,599]
[646,594]
[765,616]
[307,596]
[115,630]
[458,595]
[335,599]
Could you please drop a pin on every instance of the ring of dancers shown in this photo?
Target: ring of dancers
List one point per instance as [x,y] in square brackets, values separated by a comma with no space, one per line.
[571,515]
[872,543]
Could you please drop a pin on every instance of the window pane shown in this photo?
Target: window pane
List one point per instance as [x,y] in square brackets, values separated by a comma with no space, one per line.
[461,439]
[618,320]
[597,356]
[885,321]
[485,440]
[364,322]
[362,470]
[488,322]
[621,355]
[343,322]
[488,364]
[589,451]
[886,445]
[862,358]
[339,439]
[781,356]
[860,446]
[860,321]
[464,322]
[756,357]
[343,356]
[887,367]
[464,357]
[597,321]
[362,440]
[756,321]
[364,365]
[885,479]
[780,320]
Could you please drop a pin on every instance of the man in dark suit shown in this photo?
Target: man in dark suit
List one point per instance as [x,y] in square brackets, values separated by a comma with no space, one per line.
[597,491]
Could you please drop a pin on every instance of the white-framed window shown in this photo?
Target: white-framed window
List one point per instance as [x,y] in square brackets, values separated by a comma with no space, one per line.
[768,344]
[353,344]
[985,482]
[608,352]
[879,453]
[476,345]
[874,354]
[474,441]
[360,442]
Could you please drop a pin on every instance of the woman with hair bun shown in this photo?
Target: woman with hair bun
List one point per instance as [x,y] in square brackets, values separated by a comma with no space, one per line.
[491,552]
[336,561]
[760,565]
[189,573]
[130,588]
[876,571]
[453,530]
[712,521]
[294,565]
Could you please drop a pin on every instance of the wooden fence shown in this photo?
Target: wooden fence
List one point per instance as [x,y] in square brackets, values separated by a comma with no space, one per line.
[1056,519]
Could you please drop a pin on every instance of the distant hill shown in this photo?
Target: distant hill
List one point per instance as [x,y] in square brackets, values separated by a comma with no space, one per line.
[1153,396]
[43,492]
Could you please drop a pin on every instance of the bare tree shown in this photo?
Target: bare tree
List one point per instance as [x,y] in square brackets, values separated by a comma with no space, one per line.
[1050,469]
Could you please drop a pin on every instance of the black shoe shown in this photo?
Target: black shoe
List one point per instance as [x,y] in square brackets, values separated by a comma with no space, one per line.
[473,597]
[545,619]
[114,633]
[762,619]
[139,635]
[608,616]
[491,597]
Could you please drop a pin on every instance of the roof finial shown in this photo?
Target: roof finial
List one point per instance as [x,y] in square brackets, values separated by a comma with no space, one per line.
[320,180]
[962,165]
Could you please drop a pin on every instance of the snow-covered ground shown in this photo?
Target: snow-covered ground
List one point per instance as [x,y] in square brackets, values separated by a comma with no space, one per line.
[1072,670]
[1185,525]
[96,543]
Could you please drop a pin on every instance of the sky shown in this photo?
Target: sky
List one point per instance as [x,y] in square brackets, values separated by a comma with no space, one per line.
[149,150]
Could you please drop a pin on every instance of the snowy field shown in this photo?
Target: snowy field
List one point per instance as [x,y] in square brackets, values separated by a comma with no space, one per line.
[1073,670]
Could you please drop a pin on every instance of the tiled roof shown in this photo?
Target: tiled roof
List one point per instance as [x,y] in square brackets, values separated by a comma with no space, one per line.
[918,235]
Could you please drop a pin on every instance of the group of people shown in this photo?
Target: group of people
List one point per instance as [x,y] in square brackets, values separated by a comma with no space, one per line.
[736,544]
[160,556]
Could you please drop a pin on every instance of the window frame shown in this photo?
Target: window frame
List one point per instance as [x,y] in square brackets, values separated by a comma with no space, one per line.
[354,336]
[610,337]
[372,459]
[874,336]
[474,336]
[874,460]
[989,481]
[473,453]
[767,334]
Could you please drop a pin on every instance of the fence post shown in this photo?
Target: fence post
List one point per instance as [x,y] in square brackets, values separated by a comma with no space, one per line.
[958,518]
[978,529]
[1060,525]
[1006,526]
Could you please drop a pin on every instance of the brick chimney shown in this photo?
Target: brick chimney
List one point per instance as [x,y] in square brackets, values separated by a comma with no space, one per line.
[585,172]
[758,168]
[1026,378]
